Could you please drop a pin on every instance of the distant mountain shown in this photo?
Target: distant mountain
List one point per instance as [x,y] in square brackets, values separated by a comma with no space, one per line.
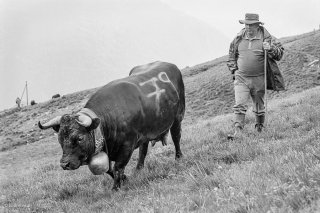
[67,46]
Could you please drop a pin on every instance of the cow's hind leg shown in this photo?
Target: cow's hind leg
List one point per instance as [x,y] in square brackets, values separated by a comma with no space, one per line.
[176,136]
[143,149]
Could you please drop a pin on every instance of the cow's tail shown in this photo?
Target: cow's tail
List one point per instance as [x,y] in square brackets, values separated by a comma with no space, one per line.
[182,102]
[175,131]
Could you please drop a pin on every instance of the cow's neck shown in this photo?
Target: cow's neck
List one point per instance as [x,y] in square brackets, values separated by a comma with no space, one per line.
[99,140]
[97,134]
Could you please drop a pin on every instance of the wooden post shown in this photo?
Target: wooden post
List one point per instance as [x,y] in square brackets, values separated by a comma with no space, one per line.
[27,91]
[265,88]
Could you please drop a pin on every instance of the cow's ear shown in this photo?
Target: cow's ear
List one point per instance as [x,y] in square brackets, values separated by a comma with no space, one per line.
[56,128]
[95,123]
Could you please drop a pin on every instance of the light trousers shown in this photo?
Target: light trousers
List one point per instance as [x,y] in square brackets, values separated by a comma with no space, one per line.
[244,89]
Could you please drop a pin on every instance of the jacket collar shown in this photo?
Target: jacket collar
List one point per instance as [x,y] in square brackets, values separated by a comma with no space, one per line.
[265,34]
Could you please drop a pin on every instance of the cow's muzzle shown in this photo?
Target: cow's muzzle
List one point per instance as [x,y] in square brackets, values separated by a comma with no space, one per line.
[65,166]
[69,165]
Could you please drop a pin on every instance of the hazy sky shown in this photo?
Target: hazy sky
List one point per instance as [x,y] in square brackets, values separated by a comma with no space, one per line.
[281,17]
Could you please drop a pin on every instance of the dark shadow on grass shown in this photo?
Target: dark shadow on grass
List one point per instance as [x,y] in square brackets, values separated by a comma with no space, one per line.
[67,193]
[230,158]
[142,179]
[153,171]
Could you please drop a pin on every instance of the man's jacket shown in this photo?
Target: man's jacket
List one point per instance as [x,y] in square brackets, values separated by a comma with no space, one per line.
[274,78]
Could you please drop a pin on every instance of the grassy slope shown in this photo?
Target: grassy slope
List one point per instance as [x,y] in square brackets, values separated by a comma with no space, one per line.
[274,171]
[277,170]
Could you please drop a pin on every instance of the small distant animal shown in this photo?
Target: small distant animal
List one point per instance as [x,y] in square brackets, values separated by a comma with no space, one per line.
[56,96]
[33,102]
[121,116]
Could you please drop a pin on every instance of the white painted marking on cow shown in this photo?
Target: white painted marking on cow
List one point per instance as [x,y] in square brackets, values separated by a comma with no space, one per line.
[162,76]
[156,93]
[167,80]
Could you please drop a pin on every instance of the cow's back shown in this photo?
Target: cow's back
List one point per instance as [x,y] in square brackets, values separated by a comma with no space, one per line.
[145,72]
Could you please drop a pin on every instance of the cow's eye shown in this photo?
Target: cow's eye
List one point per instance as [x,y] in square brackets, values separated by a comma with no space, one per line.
[80,139]
[75,141]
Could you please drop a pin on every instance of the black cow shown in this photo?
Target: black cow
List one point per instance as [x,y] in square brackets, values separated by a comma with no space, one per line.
[33,102]
[130,112]
[56,96]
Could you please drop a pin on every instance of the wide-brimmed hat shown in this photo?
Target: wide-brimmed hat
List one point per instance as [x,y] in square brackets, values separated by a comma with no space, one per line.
[251,18]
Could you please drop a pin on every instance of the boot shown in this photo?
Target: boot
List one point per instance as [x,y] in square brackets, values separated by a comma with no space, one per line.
[258,127]
[238,125]
[237,129]
[259,123]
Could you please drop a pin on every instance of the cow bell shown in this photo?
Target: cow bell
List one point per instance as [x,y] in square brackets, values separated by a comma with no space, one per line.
[99,163]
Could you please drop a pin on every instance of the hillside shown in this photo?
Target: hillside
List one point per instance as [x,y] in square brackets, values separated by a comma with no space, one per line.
[275,171]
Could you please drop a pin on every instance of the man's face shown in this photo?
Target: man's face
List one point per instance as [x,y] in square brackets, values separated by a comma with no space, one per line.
[252,28]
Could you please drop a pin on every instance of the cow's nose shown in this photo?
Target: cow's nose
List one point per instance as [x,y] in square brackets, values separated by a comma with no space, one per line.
[65,165]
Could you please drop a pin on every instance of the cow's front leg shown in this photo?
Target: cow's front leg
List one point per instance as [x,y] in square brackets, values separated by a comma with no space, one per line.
[143,149]
[110,171]
[119,166]
[118,179]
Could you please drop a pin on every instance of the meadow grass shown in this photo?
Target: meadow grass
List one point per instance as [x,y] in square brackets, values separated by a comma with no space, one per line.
[275,171]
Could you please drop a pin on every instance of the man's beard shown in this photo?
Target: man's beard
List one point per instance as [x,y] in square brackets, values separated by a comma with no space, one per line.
[251,33]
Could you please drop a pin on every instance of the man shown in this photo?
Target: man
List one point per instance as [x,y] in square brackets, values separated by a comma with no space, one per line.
[246,63]
[18,102]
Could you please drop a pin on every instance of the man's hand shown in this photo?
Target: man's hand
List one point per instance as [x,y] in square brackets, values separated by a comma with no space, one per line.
[233,73]
[266,45]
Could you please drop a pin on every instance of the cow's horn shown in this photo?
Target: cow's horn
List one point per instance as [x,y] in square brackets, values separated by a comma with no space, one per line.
[53,122]
[84,120]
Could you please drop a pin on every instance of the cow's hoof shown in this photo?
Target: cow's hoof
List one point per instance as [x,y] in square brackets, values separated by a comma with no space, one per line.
[179,156]
[124,178]
[230,137]
[115,189]
[139,168]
